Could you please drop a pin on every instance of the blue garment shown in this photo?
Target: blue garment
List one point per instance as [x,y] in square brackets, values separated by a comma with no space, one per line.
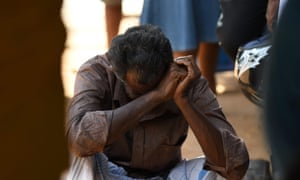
[185,22]
[98,167]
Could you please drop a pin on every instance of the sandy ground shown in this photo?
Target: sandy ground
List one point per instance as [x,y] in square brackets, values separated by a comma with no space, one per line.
[85,24]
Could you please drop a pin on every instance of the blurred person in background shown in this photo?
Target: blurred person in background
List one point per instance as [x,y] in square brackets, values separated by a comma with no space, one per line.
[113,17]
[282,95]
[32,137]
[191,27]
[242,21]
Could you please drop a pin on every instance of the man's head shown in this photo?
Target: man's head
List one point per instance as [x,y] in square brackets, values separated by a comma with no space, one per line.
[140,57]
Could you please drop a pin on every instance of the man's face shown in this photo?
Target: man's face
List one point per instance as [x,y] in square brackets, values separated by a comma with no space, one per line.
[135,89]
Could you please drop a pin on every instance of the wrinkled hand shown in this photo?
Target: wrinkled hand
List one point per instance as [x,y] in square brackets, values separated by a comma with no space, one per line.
[169,83]
[193,72]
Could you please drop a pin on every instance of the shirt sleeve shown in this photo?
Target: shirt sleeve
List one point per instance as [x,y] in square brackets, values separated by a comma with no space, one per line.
[89,116]
[235,159]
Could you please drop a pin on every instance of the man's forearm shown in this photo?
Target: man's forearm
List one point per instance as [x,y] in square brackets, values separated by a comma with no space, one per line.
[90,129]
[207,134]
[127,116]
[224,151]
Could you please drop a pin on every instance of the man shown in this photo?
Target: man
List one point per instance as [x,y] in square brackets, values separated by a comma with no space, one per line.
[132,107]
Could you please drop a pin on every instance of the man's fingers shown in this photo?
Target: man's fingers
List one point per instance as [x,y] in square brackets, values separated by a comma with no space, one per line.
[190,65]
[184,59]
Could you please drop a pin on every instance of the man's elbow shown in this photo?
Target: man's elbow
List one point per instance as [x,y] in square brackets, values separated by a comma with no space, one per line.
[237,156]
[239,171]
[84,149]
[83,145]
[85,137]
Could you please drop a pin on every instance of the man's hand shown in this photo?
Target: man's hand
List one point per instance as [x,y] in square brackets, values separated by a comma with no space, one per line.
[169,83]
[272,12]
[193,72]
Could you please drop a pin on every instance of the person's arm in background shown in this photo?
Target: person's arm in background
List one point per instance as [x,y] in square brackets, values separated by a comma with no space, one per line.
[272,14]
[225,152]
